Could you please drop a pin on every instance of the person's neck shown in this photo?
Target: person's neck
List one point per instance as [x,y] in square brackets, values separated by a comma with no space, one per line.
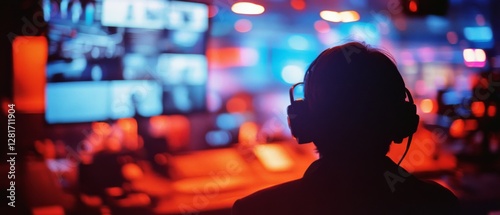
[354,160]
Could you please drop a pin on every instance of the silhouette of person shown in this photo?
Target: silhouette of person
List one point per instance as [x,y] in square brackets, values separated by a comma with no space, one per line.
[354,107]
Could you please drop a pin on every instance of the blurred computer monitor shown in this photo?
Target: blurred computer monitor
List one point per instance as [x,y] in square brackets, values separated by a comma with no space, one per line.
[112,59]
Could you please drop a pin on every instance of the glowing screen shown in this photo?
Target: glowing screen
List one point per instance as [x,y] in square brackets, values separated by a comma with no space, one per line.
[111,59]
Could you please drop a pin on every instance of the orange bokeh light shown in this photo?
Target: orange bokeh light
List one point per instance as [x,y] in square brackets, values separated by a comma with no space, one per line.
[426,105]
[298,4]
[349,16]
[273,157]
[248,133]
[132,171]
[175,128]
[478,109]
[470,124]
[29,55]
[492,110]
[128,125]
[237,105]
[457,128]
[413,6]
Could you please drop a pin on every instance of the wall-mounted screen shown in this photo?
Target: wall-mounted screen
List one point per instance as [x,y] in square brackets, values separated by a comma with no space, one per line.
[111,59]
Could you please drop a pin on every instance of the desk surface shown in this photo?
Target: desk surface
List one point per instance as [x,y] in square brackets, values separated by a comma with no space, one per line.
[213,179]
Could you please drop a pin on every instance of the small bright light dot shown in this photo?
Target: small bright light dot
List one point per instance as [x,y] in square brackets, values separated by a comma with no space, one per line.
[492,110]
[469,55]
[349,16]
[413,6]
[298,4]
[247,8]
[292,74]
[480,55]
[457,128]
[478,109]
[426,105]
[331,16]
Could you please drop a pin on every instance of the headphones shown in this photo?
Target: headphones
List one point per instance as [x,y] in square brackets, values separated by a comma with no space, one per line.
[299,120]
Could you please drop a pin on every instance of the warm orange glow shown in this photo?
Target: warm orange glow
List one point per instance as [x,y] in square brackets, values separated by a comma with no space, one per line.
[223,57]
[132,171]
[29,55]
[321,26]
[101,128]
[243,25]
[247,8]
[426,105]
[331,16]
[114,191]
[5,108]
[175,128]
[178,132]
[273,157]
[298,4]
[470,125]
[44,210]
[158,125]
[457,128]
[237,104]
[349,16]
[128,125]
[477,109]
[130,133]
[161,159]
[220,58]
[248,133]
[492,110]
[413,6]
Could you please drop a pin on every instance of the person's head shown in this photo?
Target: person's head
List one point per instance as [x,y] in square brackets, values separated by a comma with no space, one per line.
[354,94]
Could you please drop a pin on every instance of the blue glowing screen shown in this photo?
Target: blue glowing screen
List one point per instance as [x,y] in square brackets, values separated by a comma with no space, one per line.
[111,59]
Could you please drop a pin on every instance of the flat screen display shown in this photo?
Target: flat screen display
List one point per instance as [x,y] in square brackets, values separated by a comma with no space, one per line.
[111,59]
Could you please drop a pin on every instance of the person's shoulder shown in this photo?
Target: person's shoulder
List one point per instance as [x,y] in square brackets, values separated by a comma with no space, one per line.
[436,190]
[435,198]
[272,200]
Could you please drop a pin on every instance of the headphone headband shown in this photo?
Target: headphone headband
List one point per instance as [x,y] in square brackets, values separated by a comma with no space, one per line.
[291,91]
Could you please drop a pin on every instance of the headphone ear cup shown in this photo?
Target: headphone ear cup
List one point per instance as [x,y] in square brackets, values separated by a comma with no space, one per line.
[407,122]
[299,121]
